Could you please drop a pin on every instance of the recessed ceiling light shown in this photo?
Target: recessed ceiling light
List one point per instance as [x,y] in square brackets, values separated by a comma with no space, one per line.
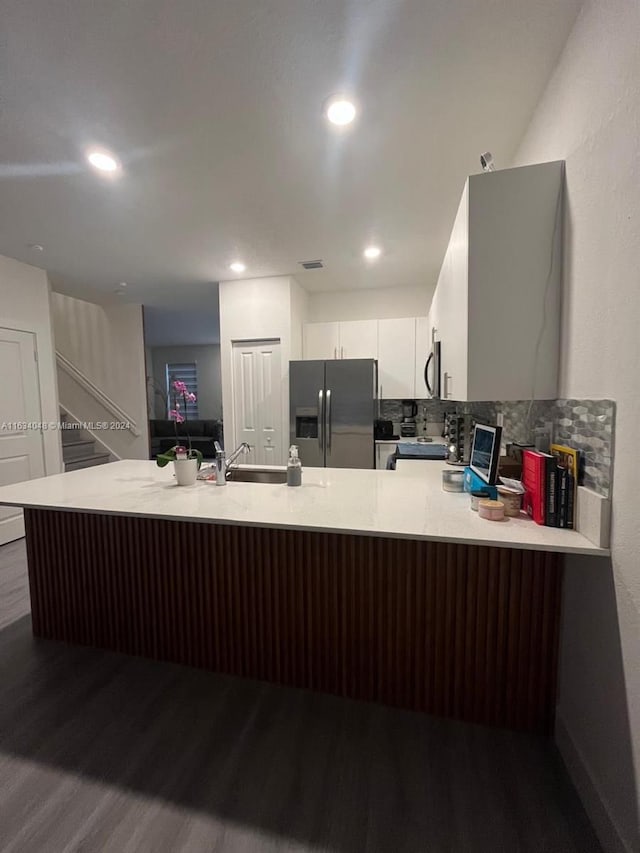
[372,253]
[103,161]
[237,266]
[123,284]
[340,110]
[36,247]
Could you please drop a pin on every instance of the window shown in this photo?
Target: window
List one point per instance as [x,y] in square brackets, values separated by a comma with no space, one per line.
[186,372]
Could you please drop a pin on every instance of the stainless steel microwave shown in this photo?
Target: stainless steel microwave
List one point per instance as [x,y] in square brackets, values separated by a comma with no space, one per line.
[432,371]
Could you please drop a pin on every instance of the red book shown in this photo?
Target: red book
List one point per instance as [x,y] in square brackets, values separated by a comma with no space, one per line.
[534,480]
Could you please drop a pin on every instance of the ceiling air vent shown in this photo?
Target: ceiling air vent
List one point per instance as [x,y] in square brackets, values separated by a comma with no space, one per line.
[312,265]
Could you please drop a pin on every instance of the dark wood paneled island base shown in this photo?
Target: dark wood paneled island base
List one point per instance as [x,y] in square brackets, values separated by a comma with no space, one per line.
[462,631]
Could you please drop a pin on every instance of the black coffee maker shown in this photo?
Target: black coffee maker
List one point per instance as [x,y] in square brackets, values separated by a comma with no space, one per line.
[408,423]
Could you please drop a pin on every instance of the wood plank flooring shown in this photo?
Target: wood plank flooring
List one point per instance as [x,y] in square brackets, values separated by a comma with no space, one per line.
[103,752]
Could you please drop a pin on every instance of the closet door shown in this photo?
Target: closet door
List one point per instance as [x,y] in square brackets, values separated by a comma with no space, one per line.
[257,399]
[21,450]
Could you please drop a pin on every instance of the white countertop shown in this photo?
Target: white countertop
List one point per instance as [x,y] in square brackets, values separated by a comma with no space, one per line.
[411,439]
[408,503]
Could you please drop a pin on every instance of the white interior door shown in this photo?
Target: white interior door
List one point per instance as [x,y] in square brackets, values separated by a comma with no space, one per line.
[257,400]
[21,450]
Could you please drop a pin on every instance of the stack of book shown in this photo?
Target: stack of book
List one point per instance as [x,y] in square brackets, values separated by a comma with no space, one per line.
[551,485]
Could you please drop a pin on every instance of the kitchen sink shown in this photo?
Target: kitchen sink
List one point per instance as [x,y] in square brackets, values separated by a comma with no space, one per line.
[244,476]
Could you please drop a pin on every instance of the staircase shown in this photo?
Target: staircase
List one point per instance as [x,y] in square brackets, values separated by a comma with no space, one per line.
[79,449]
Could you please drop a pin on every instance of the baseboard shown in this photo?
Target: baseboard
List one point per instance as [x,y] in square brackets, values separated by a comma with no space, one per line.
[594,805]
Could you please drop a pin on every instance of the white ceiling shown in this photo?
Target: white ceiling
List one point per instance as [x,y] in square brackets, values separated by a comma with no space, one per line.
[214,107]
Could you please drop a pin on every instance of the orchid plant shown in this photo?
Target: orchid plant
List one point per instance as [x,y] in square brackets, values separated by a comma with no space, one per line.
[178,414]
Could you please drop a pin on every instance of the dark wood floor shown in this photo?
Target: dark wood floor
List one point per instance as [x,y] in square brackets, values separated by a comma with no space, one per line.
[102,752]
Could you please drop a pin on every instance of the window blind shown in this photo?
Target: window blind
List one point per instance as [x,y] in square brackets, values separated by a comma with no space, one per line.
[186,372]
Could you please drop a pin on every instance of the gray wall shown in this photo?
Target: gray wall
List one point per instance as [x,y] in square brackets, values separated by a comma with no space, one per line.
[589,116]
[170,326]
[209,378]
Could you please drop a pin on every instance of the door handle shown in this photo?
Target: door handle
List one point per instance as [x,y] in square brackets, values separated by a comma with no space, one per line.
[446,377]
[426,374]
[320,420]
[328,419]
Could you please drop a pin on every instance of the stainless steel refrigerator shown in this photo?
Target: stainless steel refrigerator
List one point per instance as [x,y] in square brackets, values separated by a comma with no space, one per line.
[332,410]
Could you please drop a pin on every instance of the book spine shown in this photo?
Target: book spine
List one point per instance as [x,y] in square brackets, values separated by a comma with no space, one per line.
[570,498]
[551,513]
[533,476]
[563,497]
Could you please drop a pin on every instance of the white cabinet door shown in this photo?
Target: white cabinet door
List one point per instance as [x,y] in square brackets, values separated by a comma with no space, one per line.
[452,307]
[359,339]
[321,341]
[396,358]
[423,348]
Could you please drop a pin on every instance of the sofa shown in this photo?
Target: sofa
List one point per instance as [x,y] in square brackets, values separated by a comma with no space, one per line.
[162,435]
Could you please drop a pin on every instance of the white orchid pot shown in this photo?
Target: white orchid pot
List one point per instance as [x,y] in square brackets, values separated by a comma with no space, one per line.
[186,471]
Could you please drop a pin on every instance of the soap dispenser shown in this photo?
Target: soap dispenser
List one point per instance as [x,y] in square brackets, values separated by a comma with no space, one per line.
[294,467]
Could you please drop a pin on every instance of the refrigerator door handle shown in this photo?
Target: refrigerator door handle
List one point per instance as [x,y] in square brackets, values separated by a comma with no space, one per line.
[328,419]
[320,420]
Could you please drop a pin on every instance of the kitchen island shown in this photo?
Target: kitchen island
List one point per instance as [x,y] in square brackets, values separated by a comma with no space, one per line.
[368,584]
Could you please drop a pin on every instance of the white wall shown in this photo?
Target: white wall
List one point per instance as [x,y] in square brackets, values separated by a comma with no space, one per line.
[25,306]
[197,322]
[590,116]
[374,304]
[299,316]
[105,342]
[207,359]
[259,309]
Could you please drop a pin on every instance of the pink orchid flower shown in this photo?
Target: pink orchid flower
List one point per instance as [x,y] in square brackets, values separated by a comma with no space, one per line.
[180,387]
[175,415]
[191,397]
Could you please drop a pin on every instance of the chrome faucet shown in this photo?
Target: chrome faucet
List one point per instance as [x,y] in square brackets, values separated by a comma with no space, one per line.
[242,448]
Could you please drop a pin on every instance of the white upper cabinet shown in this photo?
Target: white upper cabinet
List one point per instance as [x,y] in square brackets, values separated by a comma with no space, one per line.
[401,347]
[396,358]
[496,308]
[349,339]
[321,340]
[453,316]
[359,339]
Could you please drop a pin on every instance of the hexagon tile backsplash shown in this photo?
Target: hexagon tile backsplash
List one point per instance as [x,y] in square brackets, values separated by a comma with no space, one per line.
[587,425]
